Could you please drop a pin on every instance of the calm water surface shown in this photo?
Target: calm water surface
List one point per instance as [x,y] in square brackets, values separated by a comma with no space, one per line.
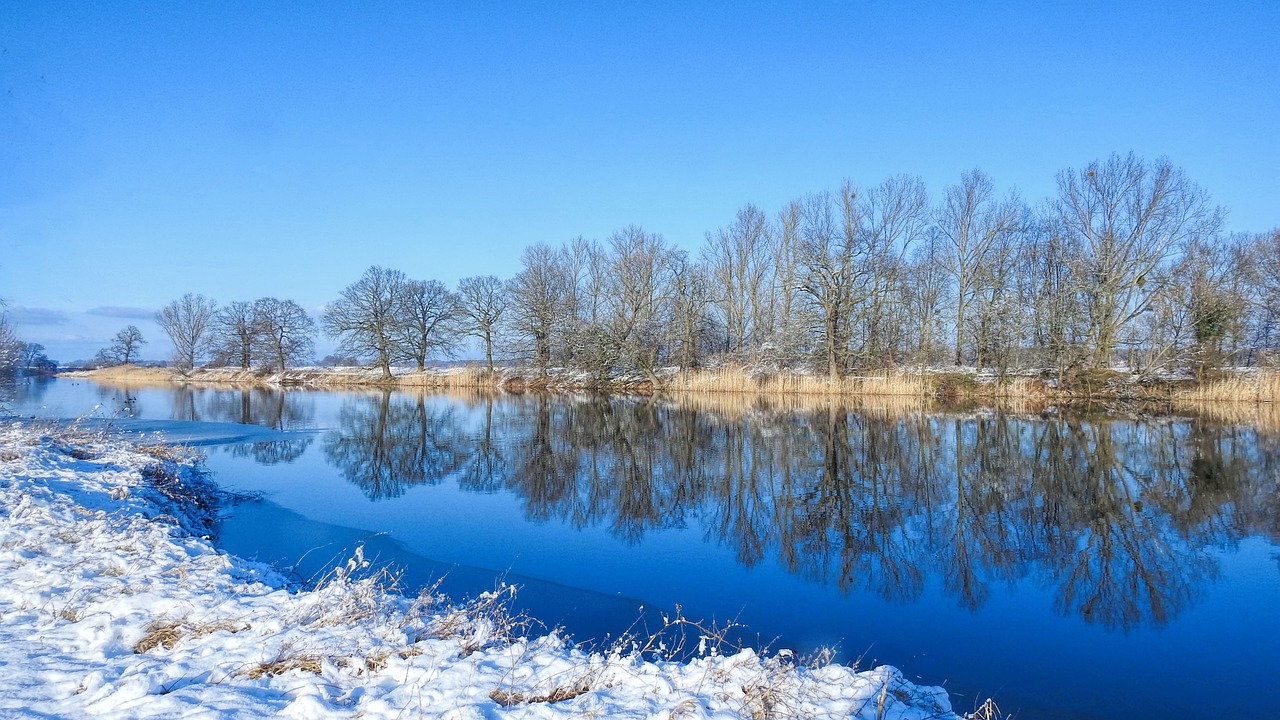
[1068,565]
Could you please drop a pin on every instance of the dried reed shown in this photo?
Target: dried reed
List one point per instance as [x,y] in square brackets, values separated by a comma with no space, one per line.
[1263,387]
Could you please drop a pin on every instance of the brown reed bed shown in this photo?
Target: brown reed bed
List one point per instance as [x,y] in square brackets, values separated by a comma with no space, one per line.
[785,382]
[1262,387]
[870,384]
[736,405]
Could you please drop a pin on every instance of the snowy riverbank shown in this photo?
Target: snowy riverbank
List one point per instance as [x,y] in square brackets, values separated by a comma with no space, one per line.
[113,603]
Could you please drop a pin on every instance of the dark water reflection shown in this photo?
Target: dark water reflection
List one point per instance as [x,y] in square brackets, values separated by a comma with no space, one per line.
[385,447]
[262,406]
[1115,514]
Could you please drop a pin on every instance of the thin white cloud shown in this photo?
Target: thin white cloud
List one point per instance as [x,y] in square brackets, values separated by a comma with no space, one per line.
[128,313]
[37,316]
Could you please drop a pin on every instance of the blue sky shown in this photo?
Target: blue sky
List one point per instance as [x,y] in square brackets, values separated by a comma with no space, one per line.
[249,149]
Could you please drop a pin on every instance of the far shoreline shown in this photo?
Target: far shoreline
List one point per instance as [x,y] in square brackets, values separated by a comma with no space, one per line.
[1252,386]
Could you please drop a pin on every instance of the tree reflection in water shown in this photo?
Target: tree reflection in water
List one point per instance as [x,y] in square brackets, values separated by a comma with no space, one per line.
[387,443]
[484,467]
[1116,514]
[22,390]
[268,407]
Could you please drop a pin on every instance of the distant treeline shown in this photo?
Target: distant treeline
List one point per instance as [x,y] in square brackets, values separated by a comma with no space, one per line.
[17,355]
[1128,262]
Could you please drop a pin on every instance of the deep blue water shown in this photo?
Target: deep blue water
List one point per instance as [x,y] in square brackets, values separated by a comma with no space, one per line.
[1066,564]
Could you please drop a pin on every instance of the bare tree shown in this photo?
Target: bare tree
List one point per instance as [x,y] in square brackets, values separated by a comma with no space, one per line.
[1261,270]
[1128,217]
[1195,316]
[924,291]
[482,301]
[1049,291]
[31,356]
[587,272]
[10,346]
[850,255]
[736,259]
[538,314]
[997,321]
[893,220]
[782,330]
[829,276]
[236,334]
[427,321]
[124,347]
[285,331]
[639,282]
[188,321]
[976,229]
[365,319]
[690,300]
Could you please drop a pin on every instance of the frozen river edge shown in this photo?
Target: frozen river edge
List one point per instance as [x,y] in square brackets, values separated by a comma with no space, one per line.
[115,603]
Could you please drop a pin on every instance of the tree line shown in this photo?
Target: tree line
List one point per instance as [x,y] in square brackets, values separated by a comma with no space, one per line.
[1127,262]
[19,356]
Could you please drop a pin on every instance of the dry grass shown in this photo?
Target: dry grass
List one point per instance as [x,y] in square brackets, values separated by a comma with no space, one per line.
[167,633]
[508,699]
[80,452]
[172,453]
[129,376]
[161,633]
[736,406]
[986,711]
[892,388]
[284,663]
[472,380]
[339,377]
[1264,387]
[469,376]
[131,373]
[476,623]
[784,382]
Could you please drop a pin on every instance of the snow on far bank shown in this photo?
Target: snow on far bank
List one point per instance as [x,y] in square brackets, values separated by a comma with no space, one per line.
[114,604]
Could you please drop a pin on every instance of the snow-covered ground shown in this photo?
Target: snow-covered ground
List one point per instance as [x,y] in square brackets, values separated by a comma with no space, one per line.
[115,603]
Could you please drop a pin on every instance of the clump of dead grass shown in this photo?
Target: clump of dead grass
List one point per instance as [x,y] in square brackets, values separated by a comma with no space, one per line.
[348,594]
[676,638]
[171,453]
[507,699]
[186,490]
[479,622]
[286,662]
[81,452]
[986,711]
[167,633]
[160,633]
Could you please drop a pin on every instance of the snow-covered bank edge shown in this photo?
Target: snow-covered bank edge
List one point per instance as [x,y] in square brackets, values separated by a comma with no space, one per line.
[113,603]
